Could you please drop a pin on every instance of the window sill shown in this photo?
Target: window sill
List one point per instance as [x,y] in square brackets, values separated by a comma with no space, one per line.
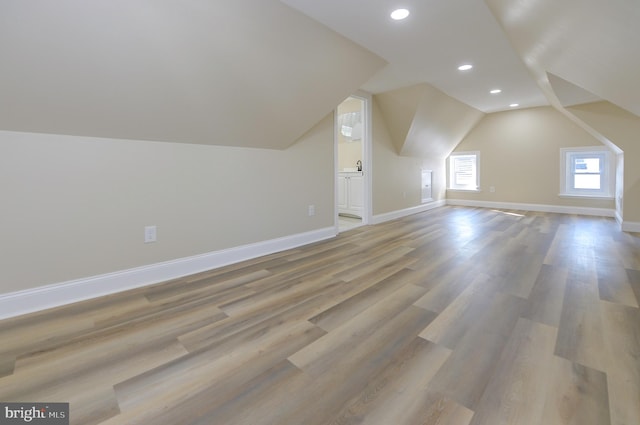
[574,195]
[463,190]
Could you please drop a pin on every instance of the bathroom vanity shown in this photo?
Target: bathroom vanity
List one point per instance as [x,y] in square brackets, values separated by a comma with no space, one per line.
[350,193]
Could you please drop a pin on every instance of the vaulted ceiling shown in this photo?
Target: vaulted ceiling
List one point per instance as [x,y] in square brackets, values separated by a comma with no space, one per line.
[537,52]
[260,73]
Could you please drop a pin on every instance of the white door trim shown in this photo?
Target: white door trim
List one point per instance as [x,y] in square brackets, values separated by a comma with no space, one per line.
[367,158]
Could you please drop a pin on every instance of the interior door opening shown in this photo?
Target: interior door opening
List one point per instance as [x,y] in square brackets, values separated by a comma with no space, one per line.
[351,138]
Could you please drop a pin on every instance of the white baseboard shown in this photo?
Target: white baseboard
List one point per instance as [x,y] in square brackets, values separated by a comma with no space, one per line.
[37,299]
[630,226]
[627,226]
[381,218]
[560,209]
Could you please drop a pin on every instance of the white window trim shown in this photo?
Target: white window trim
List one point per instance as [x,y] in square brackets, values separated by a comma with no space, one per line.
[451,186]
[608,173]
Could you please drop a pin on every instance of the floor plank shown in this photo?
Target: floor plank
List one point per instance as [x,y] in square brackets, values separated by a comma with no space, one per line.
[614,285]
[580,335]
[345,310]
[359,331]
[478,365]
[622,326]
[462,313]
[512,395]
[577,395]
[382,401]
[545,301]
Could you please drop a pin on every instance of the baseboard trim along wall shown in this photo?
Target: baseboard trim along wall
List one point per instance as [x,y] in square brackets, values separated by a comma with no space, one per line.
[55,295]
[630,226]
[381,218]
[560,209]
[58,294]
[627,226]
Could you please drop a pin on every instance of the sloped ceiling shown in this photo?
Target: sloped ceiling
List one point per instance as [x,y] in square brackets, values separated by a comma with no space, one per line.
[614,123]
[399,108]
[425,122]
[569,94]
[251,73]
[592,44]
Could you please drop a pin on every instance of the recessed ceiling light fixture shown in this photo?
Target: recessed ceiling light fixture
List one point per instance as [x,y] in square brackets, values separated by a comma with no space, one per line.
[514,105]
[465,67]
[495,91]
[399,14]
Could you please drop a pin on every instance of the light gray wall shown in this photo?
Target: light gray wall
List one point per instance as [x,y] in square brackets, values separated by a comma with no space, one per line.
[520,157]
[397,180]
[74,207]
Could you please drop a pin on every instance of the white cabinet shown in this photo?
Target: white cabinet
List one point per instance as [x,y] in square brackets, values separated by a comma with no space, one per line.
[426,186]
[350,193]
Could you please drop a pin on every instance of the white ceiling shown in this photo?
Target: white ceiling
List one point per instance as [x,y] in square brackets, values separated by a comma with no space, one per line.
[430,44]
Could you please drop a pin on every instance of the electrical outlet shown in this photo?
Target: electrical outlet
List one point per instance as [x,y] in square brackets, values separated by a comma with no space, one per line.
[150,234]
[492,189]
[312,210]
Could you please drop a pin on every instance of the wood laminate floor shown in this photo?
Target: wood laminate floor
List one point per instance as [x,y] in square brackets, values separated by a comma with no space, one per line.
[456,316]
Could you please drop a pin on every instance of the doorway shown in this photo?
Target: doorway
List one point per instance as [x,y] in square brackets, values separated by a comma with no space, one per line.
[352,164]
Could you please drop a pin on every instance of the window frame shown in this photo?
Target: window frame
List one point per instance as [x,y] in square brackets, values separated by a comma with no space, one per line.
[567,174]
[467,188]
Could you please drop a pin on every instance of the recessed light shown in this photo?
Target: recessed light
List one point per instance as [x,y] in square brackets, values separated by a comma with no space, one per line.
[495,91]
[465,67]
[514,105]
[399,14]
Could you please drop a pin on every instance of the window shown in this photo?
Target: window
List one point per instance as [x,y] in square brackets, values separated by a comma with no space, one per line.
[350,125]
[586,172]
[464,171]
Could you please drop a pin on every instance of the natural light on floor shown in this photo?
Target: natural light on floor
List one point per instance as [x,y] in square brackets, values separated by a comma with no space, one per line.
[508,213]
